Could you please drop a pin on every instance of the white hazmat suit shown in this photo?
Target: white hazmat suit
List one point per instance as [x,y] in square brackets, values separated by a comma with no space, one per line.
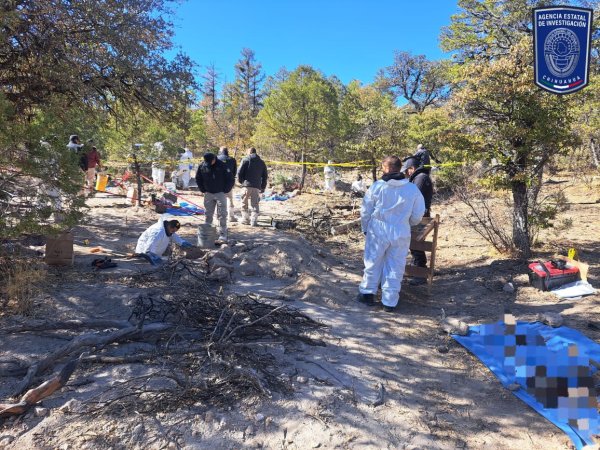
[388,211]
[158,167]
[155,240]
[329,175]
[185,167]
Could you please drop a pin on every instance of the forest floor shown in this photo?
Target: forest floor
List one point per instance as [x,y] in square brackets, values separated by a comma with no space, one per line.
[430,399]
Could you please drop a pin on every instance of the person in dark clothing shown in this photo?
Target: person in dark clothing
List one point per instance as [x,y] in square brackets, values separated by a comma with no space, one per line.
[215,180]
[232,165]
[420,178]
[253,176]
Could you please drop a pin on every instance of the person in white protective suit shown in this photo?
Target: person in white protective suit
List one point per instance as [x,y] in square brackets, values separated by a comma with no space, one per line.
[390,207]
[154,240]
[158,165]
[329,174]
[185,167]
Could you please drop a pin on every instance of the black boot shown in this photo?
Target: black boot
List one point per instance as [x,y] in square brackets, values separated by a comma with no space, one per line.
[367,299]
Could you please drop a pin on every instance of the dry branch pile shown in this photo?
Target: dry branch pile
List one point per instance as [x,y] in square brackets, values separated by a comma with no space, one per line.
[206,348]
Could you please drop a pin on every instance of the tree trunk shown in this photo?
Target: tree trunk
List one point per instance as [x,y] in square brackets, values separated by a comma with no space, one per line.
[303,171]
[595,153]
[520,236]
[373,169]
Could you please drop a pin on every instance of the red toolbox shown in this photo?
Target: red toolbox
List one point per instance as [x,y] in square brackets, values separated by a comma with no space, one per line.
[552,274]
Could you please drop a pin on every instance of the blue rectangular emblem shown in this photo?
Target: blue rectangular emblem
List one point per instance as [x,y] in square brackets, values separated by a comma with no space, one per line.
[562,44]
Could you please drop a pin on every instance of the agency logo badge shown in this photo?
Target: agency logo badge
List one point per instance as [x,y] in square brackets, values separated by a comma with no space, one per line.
[562,44]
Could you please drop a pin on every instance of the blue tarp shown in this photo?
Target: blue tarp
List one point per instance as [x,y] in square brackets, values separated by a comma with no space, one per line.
[185,209]
[551,366]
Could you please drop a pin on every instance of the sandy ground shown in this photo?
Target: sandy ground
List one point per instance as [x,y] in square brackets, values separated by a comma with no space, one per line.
[432,400]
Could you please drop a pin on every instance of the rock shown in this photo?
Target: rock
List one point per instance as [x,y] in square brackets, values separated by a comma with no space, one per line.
[137,433]
[553,319]
[249,431]
[259,417]
[219,274]
[215,263]
[40,412]
[70,406]
[65,446]
[240,247]
[5,440]
[209,417]
[194,253]
[509,287]
[302,380]
[442,348]
[455,326]
[248,267]
[225,253]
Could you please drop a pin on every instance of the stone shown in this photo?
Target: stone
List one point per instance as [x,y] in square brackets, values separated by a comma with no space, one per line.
[137,433]
[6,440]
[302,380]
[509,287]
[70,406]
[249,431]
[219,274]
[259,417]
[553,319]
[215,263]
[40,412]
[248,267]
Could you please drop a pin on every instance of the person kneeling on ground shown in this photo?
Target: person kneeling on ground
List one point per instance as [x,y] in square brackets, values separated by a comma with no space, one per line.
[154,240]
[390,207]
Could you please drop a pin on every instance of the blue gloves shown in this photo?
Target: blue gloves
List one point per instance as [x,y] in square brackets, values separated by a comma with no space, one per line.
[154,258]
[186,244]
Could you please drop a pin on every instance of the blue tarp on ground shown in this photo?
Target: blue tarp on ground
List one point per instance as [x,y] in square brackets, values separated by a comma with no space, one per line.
[551,366]
[185,209]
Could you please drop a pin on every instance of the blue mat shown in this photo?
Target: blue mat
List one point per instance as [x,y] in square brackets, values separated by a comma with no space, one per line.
[551,366]
[185,209]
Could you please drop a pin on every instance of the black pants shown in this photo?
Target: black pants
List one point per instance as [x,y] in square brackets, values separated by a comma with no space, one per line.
[419,258]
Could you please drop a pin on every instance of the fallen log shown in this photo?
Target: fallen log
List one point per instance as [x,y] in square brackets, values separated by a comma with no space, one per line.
[86,340]
[75,324]
[34,396]
[345,227]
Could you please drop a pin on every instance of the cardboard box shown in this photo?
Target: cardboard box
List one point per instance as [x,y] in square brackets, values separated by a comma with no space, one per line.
[59,250]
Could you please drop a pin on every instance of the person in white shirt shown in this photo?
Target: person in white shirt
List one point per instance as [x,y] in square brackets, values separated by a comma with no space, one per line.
[185,167]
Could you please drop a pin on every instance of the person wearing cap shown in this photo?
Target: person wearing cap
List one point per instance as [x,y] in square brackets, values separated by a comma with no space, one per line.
[155,239]
[215,180]
[419,176]
[232,165]
[390,207]
[253,177]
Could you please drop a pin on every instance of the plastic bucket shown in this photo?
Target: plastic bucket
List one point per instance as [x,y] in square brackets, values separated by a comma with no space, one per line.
[101,183]
[207,235]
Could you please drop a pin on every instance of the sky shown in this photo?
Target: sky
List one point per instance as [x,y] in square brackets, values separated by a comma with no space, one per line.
[351,39]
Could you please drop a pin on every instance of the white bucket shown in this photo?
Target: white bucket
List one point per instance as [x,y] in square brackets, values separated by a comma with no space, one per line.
[207,235]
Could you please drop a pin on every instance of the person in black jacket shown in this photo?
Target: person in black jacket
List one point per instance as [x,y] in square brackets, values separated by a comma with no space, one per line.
[253,177]
[418,175]
[232,165]
[215,180]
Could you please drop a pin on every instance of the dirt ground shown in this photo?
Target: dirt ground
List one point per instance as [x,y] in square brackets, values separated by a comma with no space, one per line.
[431,400]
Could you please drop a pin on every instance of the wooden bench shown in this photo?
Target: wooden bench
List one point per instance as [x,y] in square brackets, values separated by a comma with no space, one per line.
[418,242]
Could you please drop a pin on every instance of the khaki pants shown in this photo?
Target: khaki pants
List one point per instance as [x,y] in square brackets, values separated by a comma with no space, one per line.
[230,209]
[90,179]
[251,195]
[218,201]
